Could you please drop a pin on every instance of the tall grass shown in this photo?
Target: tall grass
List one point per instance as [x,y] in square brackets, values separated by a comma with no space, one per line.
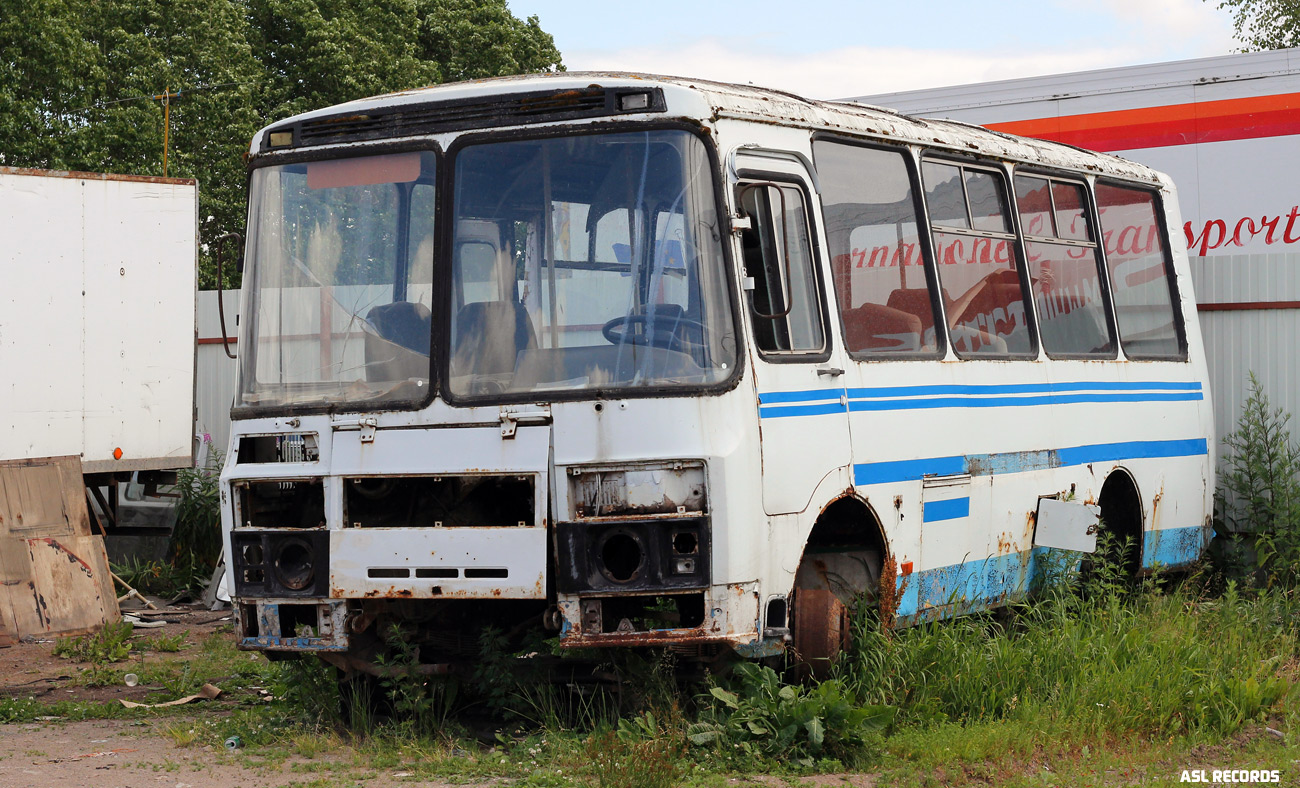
[1090,661]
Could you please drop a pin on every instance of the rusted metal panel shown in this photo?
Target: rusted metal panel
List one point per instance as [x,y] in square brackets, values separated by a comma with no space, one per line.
[638,489]
[438,563]
[820,628]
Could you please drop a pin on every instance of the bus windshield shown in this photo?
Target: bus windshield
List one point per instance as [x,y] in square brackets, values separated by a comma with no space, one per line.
[342,281]
[587,262]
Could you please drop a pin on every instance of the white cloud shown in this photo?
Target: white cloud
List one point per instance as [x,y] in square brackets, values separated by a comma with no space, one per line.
[1172,23]
[852,71]
[1136,31]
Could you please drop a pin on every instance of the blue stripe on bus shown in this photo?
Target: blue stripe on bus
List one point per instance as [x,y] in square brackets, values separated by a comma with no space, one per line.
[1021,388]
[1022,461]
[800,410]
[775,397]
[1014,402]
[951,509]
[974,396]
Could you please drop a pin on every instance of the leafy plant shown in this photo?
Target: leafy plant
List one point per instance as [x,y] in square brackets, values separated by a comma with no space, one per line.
[196,539]
[1261,491]
[420,702]
[764,717]
[110,644]
[163,643]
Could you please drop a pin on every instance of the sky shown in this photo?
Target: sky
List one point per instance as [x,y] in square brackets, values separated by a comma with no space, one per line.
[839,49]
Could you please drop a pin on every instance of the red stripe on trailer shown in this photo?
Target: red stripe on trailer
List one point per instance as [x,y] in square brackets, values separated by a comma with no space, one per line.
[1174,124]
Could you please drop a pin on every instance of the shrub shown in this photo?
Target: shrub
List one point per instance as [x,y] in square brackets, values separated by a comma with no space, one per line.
[1261,493]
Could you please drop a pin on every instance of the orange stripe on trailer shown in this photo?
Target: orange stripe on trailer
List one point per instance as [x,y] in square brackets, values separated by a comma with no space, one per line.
[1175,124]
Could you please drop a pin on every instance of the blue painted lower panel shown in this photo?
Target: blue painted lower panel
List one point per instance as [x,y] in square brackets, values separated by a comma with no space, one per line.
[975,585]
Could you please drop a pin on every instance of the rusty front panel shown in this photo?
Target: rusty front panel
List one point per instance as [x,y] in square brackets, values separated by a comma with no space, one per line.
[655,637]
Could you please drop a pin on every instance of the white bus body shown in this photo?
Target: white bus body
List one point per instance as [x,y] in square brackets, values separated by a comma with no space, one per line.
[1227,130]
[646,420]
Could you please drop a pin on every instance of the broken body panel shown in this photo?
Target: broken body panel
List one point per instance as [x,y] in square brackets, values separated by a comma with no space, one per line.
[576,395]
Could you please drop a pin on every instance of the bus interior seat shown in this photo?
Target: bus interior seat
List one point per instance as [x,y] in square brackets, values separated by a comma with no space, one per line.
[397,347]
[872,327]
[490,335]
[403,323]
[914,301]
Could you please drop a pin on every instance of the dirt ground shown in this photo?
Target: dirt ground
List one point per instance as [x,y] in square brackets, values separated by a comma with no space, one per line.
[138,753]
[30,669]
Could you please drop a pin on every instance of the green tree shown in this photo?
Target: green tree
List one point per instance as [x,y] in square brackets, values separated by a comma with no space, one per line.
[1265,24]
[473,39]
[79,79]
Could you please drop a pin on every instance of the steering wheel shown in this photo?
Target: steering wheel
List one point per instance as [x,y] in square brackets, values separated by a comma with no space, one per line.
[619,330]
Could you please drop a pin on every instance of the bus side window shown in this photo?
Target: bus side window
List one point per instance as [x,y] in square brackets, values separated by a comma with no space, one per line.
[885,293]
[1064,267]
[778,258]
[1139,268]
[983,292]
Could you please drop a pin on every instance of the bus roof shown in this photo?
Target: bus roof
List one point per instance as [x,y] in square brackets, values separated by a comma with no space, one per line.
[702,100]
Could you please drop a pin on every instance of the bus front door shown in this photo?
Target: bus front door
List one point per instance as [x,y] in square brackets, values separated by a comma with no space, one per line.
[803,417]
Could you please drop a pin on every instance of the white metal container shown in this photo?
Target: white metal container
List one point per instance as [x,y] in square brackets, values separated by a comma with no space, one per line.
[97,318]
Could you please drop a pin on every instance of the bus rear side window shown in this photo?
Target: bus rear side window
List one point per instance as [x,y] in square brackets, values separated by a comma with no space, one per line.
[974,247]
[1064,270]
[884,294]
[1139,268]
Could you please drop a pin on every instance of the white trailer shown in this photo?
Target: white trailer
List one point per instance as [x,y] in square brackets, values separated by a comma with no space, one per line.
[97,319]
[97,333]
[1227,130]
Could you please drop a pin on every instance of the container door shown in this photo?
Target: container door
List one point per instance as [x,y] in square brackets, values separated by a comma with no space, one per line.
[803,420]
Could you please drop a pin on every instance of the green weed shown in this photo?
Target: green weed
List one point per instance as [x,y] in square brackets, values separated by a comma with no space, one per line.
[762,717]
[110,644]
[169,644]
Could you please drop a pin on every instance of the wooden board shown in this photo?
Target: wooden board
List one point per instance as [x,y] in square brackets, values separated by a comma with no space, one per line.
[54,575]
[43,497]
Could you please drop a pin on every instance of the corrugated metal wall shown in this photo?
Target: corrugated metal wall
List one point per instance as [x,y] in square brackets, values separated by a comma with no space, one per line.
[214,390]
[1239,341]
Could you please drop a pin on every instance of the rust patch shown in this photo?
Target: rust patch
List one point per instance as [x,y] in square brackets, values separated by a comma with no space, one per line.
[650,638]
[891,592]
[1005,543]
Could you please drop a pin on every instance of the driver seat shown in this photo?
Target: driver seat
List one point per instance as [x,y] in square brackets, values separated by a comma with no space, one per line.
[490,335]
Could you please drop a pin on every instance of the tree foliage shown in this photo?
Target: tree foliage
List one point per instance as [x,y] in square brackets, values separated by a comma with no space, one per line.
[80,79]
[1265,24]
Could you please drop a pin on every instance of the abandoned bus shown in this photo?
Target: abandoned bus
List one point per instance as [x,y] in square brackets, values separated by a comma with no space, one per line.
[652,361]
